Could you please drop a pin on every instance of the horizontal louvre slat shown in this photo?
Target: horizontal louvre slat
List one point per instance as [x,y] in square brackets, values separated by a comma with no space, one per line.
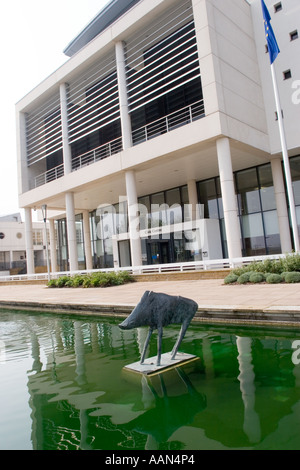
[178,16]
[163,58]
[43,130]
[163,93]
[175,44]
[93,99]
[148,70]
[165,75]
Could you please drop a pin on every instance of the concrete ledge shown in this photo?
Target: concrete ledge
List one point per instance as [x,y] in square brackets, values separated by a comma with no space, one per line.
[273,316]
[183,276]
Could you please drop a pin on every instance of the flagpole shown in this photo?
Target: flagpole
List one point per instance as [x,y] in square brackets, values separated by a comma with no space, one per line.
[286,163]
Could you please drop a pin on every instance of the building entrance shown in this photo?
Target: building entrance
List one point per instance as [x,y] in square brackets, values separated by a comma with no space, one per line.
[158,252]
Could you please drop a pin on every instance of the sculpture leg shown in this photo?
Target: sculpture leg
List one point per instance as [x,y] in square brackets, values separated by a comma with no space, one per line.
[184,327]
[159,341]
[146,345]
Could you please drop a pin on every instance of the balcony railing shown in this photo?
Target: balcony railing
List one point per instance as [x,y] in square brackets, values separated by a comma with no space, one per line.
[49,175]
[81,161]
[169,123]
[99,153]
[161,126]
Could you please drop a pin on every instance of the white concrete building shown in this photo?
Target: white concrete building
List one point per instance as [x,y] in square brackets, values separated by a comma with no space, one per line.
[157,141]
[13,245]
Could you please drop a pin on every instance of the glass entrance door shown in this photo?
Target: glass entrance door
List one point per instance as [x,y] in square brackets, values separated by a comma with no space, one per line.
[158,252]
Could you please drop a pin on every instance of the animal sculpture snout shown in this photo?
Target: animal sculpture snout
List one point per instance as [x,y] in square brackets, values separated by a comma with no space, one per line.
[124,325]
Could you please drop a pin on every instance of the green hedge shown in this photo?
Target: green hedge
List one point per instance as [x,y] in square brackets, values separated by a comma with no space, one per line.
[290,263]
[285,269]
[92,280]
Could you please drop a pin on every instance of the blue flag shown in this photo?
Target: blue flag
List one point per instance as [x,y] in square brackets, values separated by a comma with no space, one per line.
[270,36]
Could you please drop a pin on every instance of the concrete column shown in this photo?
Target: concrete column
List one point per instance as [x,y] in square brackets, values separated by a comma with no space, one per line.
[133,219]
[53,258]
[193,200]
[125,117]
[87,240]
[67,155]
[281,205]
[232,225]
[23,169]
[29,241]
[71,228]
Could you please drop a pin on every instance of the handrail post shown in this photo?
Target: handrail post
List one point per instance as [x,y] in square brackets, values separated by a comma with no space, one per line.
[191,113]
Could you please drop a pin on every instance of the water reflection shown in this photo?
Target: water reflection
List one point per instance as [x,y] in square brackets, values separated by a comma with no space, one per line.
[242,393]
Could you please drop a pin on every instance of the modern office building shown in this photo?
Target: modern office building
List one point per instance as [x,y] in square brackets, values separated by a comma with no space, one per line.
[157,141]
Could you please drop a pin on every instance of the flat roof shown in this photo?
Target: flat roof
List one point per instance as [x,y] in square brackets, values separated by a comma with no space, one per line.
[108,15]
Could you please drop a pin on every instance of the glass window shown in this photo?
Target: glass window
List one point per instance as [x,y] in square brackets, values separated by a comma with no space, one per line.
[247,185]
[174,210]
[80,241]
[272,232]
[208,197]
[145,212]
[253,234]
[121,222]
[184,195]
[267,192]
[295,171]
[158,210]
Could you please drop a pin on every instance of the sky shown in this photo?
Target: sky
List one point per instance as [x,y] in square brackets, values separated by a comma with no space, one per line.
[33,35]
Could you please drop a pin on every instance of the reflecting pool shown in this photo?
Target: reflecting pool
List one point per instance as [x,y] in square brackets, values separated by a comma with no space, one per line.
[63,387]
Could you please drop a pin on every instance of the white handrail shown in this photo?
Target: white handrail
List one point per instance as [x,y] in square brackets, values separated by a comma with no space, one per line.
[207,265]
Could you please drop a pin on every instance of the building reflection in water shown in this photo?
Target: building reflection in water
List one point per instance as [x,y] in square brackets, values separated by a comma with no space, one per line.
[240,392]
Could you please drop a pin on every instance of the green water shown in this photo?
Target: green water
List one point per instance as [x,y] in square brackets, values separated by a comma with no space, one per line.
[63,387]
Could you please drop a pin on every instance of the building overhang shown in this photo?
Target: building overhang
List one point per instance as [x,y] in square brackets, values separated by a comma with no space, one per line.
[110,13]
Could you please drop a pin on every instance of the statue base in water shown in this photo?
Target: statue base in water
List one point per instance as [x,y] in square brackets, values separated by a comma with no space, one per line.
[150,367]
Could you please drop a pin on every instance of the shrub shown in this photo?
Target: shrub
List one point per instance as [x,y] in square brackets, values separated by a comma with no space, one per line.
[230,279]
[97,279]
[291,263]
[266,266]
[78,280]
[256,278]
[292,277]
[61,281]
[283,275]
[100,280]
[86,281]
[243,278]
[274,279]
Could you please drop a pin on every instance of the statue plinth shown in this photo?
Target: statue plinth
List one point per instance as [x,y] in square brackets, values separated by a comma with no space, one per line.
[149,366]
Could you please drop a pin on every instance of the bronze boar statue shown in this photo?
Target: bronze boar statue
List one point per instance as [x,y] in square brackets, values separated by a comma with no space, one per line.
[158,310]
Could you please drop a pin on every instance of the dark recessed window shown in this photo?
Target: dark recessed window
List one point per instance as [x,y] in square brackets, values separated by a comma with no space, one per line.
[276,115]
[287,74]
[294,35]
[277,7]
[2,235]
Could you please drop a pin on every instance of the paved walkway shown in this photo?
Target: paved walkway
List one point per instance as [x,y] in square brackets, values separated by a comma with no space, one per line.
[215,300]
